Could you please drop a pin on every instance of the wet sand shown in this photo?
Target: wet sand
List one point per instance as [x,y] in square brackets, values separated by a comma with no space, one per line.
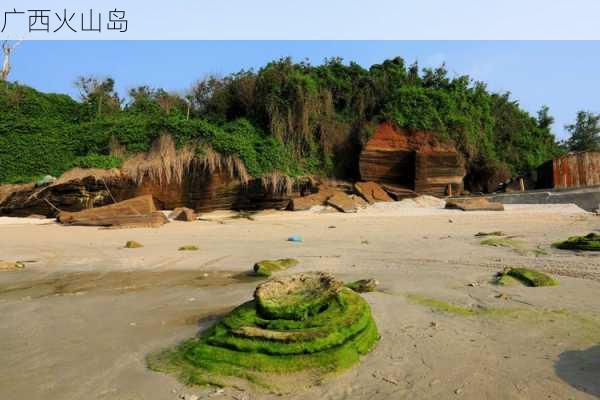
[79,320]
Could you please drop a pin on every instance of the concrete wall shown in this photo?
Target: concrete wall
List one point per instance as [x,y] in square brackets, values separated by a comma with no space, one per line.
[586,198]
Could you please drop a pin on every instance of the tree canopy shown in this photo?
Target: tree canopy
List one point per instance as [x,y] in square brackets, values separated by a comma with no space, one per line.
[292,117]
[585,132]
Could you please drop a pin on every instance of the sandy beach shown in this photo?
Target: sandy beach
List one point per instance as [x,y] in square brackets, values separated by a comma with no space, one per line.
[78,321]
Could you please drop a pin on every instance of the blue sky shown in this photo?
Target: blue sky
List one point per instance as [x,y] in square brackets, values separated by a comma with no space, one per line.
[561,74]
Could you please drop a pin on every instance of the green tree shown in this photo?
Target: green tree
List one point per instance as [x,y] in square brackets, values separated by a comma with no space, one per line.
[99,95]
[585,132]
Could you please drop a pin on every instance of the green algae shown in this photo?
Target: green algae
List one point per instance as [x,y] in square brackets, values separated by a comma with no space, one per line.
[502,242]
[132,244]
[266,268]
[249,347]
[584,328]
[528,277]
[589,325]
[590,242]
[189,247]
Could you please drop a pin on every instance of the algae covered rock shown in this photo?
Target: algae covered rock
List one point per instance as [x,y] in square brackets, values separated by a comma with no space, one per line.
[526,276]
[275,341]
[132,244]
[189,247]
[297,296]
[267,267]
[363,285]
[589,242]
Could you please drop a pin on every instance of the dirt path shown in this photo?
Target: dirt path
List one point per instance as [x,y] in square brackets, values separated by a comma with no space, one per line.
[78,322]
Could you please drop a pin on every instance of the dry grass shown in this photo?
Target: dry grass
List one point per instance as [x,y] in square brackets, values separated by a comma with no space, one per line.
[277,183]
[211,161]
[162,164]
[165,163]
[105,175]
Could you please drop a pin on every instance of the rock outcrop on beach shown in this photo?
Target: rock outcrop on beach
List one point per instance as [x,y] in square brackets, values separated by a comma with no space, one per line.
[198,190]
[416,160]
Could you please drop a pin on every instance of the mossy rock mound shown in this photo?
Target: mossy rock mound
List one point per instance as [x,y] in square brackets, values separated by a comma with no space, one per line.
[589,242]
[267,267]
[279,354]
[132,244]
[526,276]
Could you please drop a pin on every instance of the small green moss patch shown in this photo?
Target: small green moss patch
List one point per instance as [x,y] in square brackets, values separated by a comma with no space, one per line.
[495,233]
[528,277]
[132,244]
[589,242]
[267,267]
[363,285]
[189,247]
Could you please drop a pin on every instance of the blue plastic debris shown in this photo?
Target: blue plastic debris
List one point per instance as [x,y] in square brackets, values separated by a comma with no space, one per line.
[295,238]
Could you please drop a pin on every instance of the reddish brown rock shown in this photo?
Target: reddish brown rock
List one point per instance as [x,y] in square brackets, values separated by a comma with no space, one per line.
[307,202]
[344,203]
[372,192]
[136,212]
[183,214]
[415,160]
[474,204]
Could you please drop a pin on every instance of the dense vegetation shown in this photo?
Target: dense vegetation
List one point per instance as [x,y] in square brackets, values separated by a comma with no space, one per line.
[294,118]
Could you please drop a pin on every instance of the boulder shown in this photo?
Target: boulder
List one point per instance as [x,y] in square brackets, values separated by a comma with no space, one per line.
[345,203]
[136,212]
[304,203]
[267,267]
[183,214]
[372,192]
[474,204]
[399,193]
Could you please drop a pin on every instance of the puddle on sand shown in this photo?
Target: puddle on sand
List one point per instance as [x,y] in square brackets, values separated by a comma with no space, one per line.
[119,282]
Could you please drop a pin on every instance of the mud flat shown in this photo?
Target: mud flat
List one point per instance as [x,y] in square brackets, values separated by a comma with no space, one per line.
[80,319]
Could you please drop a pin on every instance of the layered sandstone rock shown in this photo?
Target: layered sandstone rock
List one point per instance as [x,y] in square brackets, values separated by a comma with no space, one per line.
[416,160]
[136,212]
